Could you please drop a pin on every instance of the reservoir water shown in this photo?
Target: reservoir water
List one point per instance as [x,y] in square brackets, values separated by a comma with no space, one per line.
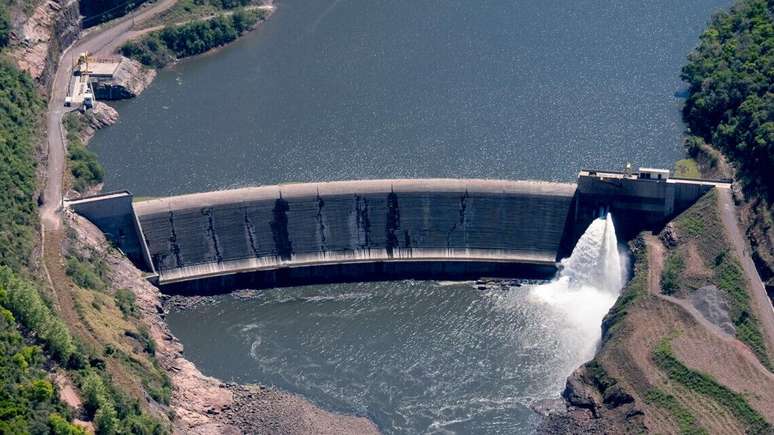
[342,89]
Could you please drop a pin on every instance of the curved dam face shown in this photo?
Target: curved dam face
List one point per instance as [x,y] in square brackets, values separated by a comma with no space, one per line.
[364,230]
[355,230]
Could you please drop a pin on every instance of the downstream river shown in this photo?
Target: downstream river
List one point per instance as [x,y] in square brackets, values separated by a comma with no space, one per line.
[343,89]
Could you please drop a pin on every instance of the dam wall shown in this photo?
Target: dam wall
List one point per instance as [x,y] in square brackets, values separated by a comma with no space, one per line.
[114,215]
[351,229]
[361,230]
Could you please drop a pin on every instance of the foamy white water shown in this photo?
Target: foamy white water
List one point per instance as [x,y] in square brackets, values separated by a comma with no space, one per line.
[588,284]
[417,356]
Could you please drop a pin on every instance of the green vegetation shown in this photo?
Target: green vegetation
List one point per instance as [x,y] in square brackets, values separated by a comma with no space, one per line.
[18,121]
[190,10]
[635,288]
[160,48]
[33,338]
[5,26]
[670,276]
[125,302]
[686,422]
[701,224]
[730,103]
[23,300]
[705,385]
[27,400]
[687,168]
[85,169]
[88,274]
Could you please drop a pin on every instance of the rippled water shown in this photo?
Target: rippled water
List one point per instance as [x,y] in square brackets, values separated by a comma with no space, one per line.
[434,88]
[417,357]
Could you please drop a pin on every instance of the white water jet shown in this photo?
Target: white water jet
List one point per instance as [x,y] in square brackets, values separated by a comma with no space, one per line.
[587,285]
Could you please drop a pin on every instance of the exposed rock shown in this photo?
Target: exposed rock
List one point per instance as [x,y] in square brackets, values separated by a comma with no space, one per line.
[579,393]
[615,396]
[712,305]
[34,49]
[547,407]
[99,116]
[669,236]
[595,404]
[129,80]
[269,411]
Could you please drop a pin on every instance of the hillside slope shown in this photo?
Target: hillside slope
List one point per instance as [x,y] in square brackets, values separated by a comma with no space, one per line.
[683,351]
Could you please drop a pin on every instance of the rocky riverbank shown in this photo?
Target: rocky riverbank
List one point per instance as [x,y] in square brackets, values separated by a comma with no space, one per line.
[202,404]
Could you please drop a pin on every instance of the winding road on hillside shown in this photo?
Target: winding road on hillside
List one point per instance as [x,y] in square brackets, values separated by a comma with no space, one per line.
[99,42]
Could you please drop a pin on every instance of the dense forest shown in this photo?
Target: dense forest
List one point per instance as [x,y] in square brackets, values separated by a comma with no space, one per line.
[174,42]
[731,95]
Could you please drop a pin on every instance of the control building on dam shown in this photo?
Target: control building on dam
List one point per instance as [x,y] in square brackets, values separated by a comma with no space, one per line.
[291,234]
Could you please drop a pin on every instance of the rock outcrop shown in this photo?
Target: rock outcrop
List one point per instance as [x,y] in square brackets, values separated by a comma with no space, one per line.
[38,41]
[129,80]
[202,404]
[98,117]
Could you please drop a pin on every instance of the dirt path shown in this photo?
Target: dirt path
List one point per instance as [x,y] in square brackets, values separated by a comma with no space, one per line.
[656,257]
[759,300]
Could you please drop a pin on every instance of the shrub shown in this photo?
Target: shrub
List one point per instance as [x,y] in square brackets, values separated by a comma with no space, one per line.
[125,300]
[670,276]
[18,124]
[60,426]
[686,421]
[5,26]
[106,420]
[161,48]
[94,392]
[85,274]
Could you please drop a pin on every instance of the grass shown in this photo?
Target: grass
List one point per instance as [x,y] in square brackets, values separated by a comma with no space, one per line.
[670,276]
[705,385]
[686,421]
[687,168]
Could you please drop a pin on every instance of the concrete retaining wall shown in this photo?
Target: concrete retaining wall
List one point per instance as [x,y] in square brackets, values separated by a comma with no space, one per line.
[114,215]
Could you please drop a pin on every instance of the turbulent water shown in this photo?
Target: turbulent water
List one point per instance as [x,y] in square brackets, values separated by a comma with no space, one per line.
[417,357]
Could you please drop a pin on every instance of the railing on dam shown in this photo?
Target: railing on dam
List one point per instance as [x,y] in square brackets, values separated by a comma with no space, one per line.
[375,229]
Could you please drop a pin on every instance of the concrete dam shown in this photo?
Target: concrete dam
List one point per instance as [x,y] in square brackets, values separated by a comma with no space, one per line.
[291,234]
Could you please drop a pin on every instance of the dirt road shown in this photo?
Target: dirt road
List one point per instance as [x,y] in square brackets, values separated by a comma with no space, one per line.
[96,42]
[759,300]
